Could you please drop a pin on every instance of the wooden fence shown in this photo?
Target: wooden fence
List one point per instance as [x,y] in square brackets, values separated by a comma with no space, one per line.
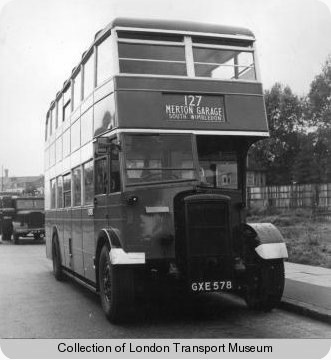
[316,197]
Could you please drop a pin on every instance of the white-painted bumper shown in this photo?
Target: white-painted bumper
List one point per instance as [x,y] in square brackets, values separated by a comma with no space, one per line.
[272,251]
[120,257]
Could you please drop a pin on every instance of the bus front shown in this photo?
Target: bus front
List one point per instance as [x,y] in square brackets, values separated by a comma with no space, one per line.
[189,104]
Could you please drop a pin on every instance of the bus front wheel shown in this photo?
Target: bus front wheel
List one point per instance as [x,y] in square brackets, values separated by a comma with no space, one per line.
[266,285]
[116,288]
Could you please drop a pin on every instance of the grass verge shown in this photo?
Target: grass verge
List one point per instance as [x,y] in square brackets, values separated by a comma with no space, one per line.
[308,241]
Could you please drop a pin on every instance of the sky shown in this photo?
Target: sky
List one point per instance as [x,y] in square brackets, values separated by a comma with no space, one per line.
[41,41]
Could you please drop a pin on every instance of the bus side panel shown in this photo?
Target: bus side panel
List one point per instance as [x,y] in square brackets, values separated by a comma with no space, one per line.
[48,234]
[60,227]
[77,241]
[66,215]
[88,243]
[117,215]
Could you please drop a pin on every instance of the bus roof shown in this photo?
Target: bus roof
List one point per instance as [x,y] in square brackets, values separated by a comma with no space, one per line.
[177,26]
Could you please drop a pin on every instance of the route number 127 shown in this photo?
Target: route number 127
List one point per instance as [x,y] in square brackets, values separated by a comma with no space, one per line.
[192,100]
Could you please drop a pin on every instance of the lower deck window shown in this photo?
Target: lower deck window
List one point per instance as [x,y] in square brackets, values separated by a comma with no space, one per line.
[67,190]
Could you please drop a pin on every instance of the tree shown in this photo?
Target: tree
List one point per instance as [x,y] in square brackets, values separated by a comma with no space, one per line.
[305,168]
[285,120]
[319,98]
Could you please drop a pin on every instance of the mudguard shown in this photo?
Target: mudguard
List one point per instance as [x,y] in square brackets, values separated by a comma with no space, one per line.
[117,255]
[270,243]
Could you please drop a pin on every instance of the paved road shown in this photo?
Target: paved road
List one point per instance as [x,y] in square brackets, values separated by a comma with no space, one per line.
[34,305]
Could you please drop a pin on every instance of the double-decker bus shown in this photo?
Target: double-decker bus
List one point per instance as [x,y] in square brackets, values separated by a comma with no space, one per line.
[145,154]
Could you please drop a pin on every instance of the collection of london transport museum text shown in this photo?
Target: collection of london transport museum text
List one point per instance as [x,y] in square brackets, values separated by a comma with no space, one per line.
[145,166]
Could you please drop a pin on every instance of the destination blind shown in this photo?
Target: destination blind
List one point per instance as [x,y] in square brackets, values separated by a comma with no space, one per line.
[189,107]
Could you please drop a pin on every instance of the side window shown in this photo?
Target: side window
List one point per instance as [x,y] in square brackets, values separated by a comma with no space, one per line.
[59,192]
[115,184]
[56,115]
[66,103]
[51,122]
[101,176]
[53,192]
[104,61]
[59,110]
[88,182]
[76,174]
[77,90]
[88,76]
[46,127]
[67,190]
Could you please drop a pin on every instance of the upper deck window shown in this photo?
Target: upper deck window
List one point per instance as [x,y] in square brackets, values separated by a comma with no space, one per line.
[199,56]
[223,64]
[223,58]
[51,122]
[77,93]
[154,55]
[66,103]
[104,60]
[88,76]
[46,127]
[59,110]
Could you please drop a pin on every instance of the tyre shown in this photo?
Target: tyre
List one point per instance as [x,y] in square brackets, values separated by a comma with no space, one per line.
[5,235]
[265,285]
[16,238]
[116,288]
[56,257]
[36,236]
[7,230]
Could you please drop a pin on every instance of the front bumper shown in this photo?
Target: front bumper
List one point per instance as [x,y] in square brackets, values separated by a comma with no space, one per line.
[37,231]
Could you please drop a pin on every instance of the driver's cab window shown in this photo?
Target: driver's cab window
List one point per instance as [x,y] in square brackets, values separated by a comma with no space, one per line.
[218,162]
[101,176]
[115,180]
[108,180]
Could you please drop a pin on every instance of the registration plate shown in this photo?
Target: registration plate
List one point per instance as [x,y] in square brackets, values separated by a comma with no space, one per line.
[205,286]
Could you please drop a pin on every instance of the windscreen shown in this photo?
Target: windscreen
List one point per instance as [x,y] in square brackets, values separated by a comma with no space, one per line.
[27,204]
[158,158]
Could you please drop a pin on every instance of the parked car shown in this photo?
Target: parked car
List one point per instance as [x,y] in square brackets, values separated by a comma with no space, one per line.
[25,216]
[7,212]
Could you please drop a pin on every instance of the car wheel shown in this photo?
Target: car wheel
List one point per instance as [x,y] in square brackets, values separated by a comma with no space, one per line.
[7,230]
[16,238]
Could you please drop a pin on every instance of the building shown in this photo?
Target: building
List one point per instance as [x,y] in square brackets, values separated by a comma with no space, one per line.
[22,184]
